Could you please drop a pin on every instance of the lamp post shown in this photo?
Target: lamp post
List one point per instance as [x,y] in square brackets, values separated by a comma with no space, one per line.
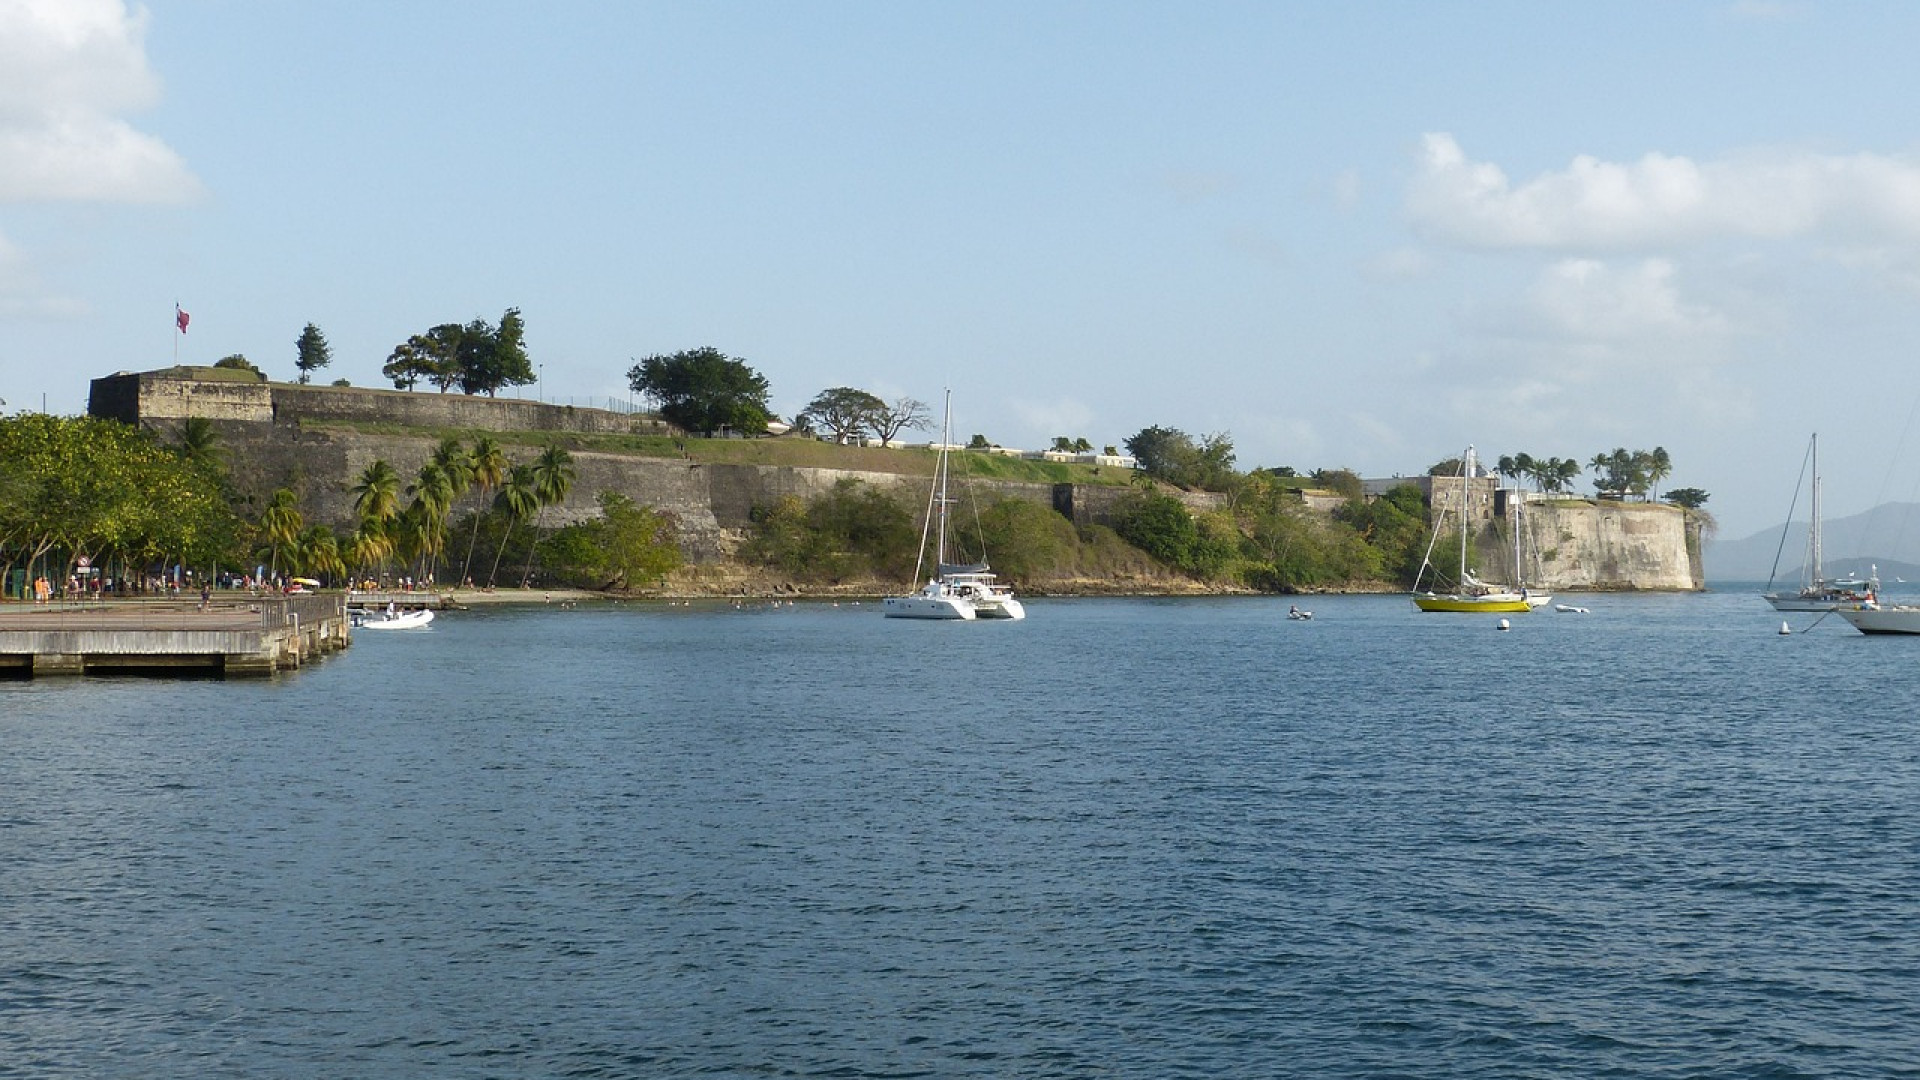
[541,385]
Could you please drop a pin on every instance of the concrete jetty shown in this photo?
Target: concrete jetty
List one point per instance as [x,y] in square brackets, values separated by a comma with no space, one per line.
[231,636]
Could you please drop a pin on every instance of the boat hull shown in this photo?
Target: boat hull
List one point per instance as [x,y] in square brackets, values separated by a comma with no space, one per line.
[406,620]
[1434,602]
[1883,620]
[1005,607]
[922,606]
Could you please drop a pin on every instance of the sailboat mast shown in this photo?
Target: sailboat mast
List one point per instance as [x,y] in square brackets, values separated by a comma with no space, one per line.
[946,438]
[1814,571]
[1466,469]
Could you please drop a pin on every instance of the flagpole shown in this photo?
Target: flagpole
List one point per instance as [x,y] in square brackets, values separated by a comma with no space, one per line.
[176,333]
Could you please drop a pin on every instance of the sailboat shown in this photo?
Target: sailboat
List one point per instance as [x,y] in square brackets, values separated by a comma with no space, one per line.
[955,591]
[1520,576]
[1470,593]
[1816,592]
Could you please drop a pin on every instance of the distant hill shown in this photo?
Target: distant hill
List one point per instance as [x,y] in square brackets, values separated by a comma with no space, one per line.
[1887,535]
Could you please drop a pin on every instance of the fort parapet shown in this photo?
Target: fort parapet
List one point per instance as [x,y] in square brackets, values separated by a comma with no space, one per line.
[161,399]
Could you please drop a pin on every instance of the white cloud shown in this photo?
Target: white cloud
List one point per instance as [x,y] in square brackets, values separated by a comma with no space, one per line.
[1592,301]
[68,69]
[1662,201]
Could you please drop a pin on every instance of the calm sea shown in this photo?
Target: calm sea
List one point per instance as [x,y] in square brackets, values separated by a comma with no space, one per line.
[1125,838]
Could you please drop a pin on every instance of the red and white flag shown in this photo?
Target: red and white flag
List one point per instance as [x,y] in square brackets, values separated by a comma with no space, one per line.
[180,318]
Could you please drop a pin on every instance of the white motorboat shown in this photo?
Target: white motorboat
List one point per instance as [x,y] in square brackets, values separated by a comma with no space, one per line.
[395,620]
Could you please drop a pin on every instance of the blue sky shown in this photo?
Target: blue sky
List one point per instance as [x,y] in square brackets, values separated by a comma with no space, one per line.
[1356,235]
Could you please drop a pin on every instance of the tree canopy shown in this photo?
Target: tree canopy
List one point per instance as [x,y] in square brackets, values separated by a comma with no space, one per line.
[1171,454]
[704,390]
[312,352]
[78,486]
[843,411]
[477,356]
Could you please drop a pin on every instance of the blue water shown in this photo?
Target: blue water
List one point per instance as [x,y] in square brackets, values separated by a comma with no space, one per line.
[1125,838]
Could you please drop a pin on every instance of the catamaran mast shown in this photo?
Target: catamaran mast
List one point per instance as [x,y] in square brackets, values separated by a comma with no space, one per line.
[946,437]
[1814,572]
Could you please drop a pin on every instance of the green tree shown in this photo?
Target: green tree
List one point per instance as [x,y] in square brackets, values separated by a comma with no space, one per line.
[704,390]
[843,411]
[553,476]
[200,443]
[311,352]
[280,524]
[488,468]
[1172,455]
[627,543]
[1690,497]
[1161,526]
[87,486]
[518,500]
[424,522]
[376,495]
[432,357]
[850,532]
[1659,466]
[493,358]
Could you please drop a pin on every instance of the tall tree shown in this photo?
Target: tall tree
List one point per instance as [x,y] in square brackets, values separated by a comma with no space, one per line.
[488,468]
[426,517]
[492,358]
[843,411]
[518,500]
[312,352]
[376,495]
[280,523]
[704,390]
[553,476]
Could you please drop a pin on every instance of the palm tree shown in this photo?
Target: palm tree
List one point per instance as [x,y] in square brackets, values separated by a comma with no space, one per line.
[370,546]
[319,551]
[518,499]
[432,497]
[376,497]
[553,476]
[1659,467]
[489,466]
[454,460]
[199,442]
[281,523]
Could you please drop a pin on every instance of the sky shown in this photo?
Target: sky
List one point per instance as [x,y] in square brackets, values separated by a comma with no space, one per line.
[1347,235]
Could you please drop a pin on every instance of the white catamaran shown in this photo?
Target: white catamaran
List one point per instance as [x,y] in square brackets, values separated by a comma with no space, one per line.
[968,591]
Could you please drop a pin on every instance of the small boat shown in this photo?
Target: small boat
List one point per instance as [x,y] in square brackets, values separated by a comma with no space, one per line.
[1571,608]
[1470,593]
[1294,612]
[395,620]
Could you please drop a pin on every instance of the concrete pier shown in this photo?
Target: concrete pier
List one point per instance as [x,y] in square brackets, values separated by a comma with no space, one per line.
[232,636]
